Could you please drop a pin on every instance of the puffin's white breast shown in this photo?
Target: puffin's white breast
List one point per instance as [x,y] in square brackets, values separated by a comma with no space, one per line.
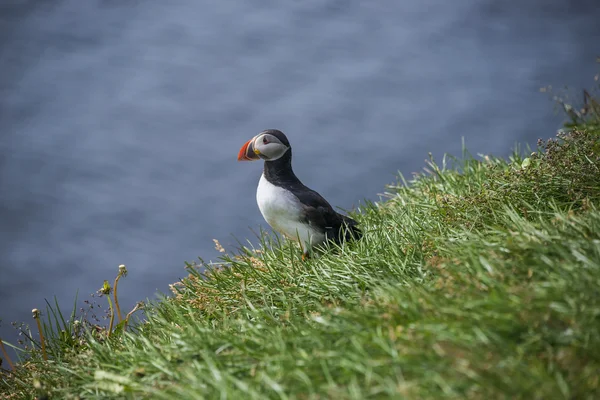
[283,212]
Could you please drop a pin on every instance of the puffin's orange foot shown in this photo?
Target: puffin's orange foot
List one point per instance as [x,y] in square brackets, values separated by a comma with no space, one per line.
[305,256]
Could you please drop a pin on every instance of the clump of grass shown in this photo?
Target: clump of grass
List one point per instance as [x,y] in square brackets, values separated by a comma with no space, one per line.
[61,340]
[477,279]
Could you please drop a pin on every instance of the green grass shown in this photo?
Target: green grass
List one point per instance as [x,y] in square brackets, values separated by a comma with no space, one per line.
[478,279]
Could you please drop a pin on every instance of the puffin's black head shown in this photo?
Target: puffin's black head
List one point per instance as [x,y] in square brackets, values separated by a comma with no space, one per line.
[268,145]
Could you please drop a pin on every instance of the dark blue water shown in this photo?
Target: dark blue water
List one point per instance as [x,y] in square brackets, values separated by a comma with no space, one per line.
[120,121]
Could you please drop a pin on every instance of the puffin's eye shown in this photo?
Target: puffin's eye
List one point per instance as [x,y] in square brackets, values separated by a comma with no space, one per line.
[265,141]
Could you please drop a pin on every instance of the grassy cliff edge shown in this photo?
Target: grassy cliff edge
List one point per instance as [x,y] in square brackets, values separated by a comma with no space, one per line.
[478,279]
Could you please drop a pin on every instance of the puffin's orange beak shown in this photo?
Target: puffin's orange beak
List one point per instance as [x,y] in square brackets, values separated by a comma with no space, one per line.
[247,152]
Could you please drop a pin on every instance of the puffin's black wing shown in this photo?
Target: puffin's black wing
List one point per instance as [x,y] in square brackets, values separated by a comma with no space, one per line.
[318,213]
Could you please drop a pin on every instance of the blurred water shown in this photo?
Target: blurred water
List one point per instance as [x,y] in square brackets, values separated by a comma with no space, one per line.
[120,121]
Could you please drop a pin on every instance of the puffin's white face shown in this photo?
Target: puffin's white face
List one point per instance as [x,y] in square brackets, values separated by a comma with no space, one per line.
[265,146]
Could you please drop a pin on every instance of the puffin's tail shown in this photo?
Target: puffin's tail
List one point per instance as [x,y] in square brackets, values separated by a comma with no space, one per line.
[349,229]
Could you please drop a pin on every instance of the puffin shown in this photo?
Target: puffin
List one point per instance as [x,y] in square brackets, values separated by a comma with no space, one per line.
[288,206]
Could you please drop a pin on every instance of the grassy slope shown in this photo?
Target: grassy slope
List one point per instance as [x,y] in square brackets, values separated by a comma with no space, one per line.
[481,281]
